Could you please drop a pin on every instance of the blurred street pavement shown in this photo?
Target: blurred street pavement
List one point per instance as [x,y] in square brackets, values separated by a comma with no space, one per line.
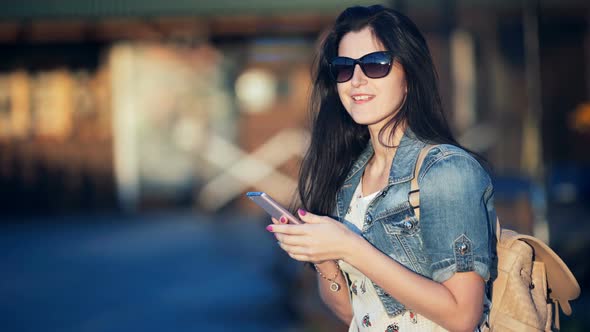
[161,272]
[181,272]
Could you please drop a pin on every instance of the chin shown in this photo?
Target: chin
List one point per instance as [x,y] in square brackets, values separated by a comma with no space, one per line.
[361,120]
[364,118]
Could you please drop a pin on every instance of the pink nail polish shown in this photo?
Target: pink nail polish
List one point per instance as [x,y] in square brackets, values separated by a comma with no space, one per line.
[283,220]
[301,212]
[269,228]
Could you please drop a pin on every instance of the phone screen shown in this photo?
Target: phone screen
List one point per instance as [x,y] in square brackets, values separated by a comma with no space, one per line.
[271,206]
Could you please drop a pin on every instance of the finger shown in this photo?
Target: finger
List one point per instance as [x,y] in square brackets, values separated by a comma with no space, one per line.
[292,240]
[301,258]
[294,219]
[279,237]
[295,240]
[295,252]
[309,217]
[287,229]
[282,220]
[289,248]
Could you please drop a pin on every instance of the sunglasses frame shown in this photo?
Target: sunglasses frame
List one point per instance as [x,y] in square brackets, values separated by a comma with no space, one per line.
[361,64]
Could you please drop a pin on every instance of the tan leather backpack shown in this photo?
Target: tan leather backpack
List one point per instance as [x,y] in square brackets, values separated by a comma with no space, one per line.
[532,282]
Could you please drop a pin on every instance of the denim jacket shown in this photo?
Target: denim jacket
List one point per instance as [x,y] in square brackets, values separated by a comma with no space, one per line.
[457,216]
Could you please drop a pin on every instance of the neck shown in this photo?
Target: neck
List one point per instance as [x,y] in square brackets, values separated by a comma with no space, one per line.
[385,150]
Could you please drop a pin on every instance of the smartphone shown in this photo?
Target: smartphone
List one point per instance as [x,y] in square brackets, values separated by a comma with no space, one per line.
[271,206]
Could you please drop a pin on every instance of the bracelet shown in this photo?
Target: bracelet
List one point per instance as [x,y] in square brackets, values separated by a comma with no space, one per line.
[334,286]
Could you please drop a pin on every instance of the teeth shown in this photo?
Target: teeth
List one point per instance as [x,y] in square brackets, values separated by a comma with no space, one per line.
[357,98]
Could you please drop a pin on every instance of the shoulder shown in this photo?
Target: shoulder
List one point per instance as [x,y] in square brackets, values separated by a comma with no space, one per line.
[445,162]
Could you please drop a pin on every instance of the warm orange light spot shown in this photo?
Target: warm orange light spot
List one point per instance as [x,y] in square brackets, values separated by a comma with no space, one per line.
[579,120]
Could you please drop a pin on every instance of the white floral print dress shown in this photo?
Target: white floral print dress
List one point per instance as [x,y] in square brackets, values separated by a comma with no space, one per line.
[368,311]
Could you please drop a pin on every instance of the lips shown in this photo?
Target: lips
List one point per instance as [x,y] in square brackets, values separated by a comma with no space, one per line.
[362,98]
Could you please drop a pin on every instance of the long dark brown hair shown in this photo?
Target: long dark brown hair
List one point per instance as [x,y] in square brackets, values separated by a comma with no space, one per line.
[336,140]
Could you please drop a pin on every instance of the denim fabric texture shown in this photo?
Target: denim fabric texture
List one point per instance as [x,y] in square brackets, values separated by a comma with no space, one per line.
[457,216]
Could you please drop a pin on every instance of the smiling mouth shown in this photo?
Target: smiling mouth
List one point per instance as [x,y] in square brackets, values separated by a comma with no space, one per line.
[362,98]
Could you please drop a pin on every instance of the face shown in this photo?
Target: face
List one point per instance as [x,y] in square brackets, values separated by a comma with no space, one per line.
[370,101]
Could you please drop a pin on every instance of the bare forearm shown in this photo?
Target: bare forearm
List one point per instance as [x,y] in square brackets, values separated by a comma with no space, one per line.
[339,301]
[427,297]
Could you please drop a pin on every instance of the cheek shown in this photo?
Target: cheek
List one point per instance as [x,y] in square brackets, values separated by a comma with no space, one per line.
[395,95]
[342,94]
[340,90]
[398,81]
[397,88]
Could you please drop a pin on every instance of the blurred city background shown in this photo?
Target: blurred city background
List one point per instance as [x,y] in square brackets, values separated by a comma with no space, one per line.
[130,131]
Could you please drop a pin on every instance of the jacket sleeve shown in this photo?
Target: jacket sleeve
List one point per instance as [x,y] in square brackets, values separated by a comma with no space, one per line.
[455,211]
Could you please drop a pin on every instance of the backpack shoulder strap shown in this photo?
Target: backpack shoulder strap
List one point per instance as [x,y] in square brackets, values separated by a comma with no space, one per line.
[414,195]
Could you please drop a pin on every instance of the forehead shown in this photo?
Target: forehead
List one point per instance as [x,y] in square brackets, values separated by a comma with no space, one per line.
[355,44]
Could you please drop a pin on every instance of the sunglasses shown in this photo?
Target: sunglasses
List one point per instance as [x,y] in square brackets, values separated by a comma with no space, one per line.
[374,65]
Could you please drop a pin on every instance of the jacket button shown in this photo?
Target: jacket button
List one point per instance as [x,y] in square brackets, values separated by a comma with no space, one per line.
[463,248]
[408,225]
[369,218]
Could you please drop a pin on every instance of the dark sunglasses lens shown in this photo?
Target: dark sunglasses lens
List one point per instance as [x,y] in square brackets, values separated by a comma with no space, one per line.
[342,69]
[376,70]
[376,65]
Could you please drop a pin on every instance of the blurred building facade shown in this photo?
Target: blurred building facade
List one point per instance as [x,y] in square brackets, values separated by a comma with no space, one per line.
[139,105]
[133,105]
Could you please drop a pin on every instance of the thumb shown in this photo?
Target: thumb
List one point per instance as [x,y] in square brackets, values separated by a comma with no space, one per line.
[309,217]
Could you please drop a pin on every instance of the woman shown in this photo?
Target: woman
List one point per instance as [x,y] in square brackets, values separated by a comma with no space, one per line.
[377,106]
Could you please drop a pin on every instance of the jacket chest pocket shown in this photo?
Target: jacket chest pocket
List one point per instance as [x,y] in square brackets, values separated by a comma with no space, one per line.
[400,221]
[401,229]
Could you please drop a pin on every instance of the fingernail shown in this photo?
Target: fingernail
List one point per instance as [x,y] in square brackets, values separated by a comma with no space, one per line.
[269,228]
[301,212]
[283,220]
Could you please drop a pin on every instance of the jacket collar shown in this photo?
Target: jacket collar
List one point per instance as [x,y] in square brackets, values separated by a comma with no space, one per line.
[404,162]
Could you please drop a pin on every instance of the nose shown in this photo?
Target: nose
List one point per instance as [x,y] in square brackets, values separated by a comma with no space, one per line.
[358,77]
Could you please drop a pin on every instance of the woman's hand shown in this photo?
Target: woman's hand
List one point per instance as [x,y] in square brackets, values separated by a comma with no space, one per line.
[318,239]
